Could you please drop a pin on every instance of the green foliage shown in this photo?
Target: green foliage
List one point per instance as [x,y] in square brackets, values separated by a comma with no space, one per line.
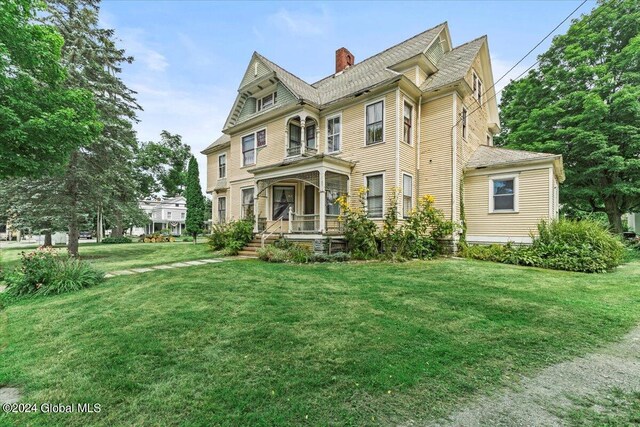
[110,240]
[231,236]
[584,102]
[47,272]
[162,166]
[187,239]
[157,237]
[418,237]
[42,119]
[195,201]
[284,250]
[584,246]
[359,231]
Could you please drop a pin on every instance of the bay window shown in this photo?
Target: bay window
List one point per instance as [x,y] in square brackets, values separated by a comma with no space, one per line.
[249,150]
[374,122]
[333,134]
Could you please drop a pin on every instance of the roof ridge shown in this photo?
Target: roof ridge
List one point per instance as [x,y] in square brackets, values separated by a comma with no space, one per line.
[283,69]
[469,42]
[383,51]
[514,149]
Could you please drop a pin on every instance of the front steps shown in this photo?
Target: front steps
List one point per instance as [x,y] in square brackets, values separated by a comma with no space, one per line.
[252,246]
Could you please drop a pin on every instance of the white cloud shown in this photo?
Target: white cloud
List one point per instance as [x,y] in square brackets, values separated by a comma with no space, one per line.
[302,24]
[134,43]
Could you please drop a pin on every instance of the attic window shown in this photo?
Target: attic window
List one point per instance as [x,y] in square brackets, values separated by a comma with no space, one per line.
[267,101]
[477,88]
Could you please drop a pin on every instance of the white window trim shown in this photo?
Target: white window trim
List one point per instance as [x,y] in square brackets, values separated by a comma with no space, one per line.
[384,128]
[516,193]
[242,190]
[326,133]
[412,193]
[255,146]
[476,91]
[225,164]
[259,106]
[218,208]
[413,121]
[384,193]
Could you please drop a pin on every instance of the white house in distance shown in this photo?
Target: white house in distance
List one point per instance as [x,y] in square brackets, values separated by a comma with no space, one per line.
[169,213]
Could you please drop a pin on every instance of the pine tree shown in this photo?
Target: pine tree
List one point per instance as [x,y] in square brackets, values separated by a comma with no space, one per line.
[195,201]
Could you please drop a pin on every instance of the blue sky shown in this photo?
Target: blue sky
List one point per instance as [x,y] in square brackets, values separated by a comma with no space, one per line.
[191,55]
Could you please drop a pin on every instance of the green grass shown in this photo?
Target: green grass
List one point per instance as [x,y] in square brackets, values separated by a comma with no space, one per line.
[250,343]
[111,257]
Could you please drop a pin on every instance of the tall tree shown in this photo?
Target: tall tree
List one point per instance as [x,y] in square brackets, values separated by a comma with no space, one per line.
[584,102]
[163,165]
[195,201]
[41,119]
[99,177]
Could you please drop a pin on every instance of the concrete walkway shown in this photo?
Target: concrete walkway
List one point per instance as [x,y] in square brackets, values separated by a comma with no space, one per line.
[164,267]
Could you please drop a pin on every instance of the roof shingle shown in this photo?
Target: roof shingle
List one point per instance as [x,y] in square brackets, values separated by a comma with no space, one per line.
[486,156]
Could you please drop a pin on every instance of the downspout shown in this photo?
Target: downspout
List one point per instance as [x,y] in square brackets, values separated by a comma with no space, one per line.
[454,165]
[398,199]
[418,148]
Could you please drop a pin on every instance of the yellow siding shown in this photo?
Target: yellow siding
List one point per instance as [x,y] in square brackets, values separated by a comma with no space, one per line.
[435,151]
[212,170]
[533,195]
[422,76]
[411,74]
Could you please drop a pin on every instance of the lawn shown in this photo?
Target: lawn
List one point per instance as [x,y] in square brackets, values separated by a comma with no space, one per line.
[249,343]
[110,257]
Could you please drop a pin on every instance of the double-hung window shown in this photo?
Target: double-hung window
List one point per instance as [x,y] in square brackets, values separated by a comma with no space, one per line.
[261,138]
[333,134]
[267,101]
[222,166]
[408,121]
[310,136]
[407,194]
[222,209]
[374,195]
[294,139]
[249,150]
[247,202]
[375,126]
[503,194]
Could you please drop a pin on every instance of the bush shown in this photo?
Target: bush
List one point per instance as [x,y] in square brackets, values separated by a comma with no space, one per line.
[187,239]
[47,272]
[156,238]
[283,250]
[584,246]
[231,236]
[110,240]
[271,253]
[359,231]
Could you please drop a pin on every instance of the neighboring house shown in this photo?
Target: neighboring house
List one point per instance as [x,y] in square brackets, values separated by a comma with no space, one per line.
[633,222]
[163,214]
[418,117]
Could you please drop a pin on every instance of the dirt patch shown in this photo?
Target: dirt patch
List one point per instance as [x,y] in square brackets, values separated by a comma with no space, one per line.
[9,395]
[540,400]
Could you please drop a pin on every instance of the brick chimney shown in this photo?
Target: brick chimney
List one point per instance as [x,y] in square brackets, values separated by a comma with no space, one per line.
[344,59]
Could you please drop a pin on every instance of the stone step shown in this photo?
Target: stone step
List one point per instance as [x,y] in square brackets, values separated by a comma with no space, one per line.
[247,253]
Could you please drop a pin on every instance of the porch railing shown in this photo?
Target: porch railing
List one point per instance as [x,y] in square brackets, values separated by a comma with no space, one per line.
[305,223]
[297,150]
[276,226]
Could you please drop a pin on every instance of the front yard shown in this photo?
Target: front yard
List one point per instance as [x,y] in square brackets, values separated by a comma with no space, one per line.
[250,343]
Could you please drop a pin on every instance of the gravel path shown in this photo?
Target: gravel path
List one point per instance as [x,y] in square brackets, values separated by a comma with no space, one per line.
[539,400]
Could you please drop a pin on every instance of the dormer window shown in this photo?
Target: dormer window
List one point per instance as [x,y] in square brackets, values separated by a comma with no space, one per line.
[267,101]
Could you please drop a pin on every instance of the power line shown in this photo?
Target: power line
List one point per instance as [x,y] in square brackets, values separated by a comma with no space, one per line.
[585,22]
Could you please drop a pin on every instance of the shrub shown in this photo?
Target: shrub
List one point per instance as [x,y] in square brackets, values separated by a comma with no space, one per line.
[570,245]
[110,240]
[359,231]
[156,238]
[423,230]
[47,272]
[231,236]
[271,253]
[187,239]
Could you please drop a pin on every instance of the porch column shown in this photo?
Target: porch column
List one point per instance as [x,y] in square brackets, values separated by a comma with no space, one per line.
[256,212]
[323,201]
[303,134]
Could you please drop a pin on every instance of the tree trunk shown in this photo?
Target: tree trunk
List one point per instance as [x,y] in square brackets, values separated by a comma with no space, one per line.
[74,239]
[195,238]
[118,228]
[47,239]
[614,214]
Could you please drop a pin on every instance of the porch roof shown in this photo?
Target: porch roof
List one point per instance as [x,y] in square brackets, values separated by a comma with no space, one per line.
[304,163]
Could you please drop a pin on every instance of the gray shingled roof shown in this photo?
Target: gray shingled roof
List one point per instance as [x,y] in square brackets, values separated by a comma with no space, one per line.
[486,156]
[373,70]
[454,65]
[299,87]
[220,141]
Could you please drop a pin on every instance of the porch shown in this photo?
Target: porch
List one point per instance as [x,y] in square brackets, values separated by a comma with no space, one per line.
[299,197]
